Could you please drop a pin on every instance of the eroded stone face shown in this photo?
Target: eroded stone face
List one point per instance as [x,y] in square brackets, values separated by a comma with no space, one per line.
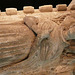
[72,7]
[14,38]
[26,53]
[61,7]
[71,4]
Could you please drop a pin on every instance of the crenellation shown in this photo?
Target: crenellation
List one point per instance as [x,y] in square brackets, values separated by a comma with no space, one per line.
[46,8]
[28,9]
[11,11]
[61,7]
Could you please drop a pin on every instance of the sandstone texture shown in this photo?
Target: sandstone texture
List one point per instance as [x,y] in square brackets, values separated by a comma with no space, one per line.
[38,43]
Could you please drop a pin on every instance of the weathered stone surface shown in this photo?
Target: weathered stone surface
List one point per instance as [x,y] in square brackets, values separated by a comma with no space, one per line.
[63,68]
[28,9]
[15,43]
[43,53]
[61,7]
[11,11]
[66,73]
[68,21]
[46,8]
[72,5]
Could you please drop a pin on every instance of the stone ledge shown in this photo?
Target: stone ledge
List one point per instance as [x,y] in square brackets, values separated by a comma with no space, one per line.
[61,7]
[46,8]
[28,9]
[11,11]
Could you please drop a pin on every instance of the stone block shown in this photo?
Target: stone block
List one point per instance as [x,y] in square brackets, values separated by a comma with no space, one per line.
[0,12]
[61,7]
[11,11]
[28,9]
[46,8]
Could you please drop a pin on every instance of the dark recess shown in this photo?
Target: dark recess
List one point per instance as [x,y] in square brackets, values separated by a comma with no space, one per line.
[36,3]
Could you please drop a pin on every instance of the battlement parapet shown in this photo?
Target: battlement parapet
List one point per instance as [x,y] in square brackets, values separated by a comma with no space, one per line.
[44,8]
[72,7]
